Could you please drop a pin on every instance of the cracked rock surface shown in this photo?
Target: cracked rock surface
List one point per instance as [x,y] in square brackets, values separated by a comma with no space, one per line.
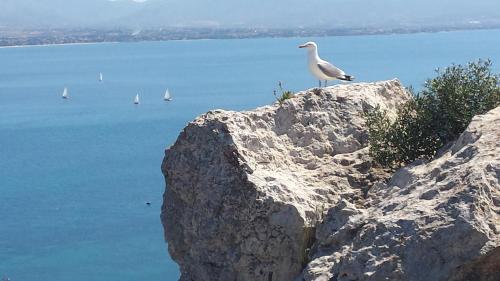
[432,221]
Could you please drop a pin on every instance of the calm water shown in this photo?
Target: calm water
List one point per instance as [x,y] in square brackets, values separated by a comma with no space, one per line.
[75,174]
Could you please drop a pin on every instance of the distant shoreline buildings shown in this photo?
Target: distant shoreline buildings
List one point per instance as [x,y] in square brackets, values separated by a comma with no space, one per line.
[27,37]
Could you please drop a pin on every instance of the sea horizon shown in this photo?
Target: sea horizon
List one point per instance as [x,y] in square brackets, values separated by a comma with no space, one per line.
[383,33]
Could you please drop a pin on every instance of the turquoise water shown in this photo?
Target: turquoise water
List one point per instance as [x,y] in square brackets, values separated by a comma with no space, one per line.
[75,174]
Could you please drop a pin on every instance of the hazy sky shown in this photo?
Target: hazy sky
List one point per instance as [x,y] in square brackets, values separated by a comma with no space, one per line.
[247,13]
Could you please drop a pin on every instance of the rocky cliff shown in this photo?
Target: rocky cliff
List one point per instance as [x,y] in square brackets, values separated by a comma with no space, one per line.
[288,192]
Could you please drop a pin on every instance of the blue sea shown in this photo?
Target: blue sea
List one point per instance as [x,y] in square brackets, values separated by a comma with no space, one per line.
[75,174]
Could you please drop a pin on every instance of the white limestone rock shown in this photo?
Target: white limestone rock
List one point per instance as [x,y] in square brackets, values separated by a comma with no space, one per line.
[245,190]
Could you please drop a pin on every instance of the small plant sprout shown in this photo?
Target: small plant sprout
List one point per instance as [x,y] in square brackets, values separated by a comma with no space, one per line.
[283,94]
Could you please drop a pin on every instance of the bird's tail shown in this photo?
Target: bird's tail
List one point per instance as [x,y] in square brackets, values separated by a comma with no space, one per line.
[347,78]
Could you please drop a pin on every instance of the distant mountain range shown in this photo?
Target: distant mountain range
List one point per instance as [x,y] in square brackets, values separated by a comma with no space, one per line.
[139,14]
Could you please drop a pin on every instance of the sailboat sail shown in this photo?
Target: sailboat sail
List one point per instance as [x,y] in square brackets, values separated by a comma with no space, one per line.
[65,93]
[167,96]
[100,77]
[136,100]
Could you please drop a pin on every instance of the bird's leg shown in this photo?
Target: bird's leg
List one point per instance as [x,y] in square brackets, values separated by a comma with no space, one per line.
[326,83]
[319,83]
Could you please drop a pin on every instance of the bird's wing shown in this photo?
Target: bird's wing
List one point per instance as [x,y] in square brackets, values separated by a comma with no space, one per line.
[330,70]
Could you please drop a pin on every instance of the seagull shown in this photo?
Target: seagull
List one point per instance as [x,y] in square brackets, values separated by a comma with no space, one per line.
[322,69]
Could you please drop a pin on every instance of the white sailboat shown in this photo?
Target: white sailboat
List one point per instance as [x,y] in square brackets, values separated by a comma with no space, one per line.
[100,77]
[167,96]
[65,94]
[136,99]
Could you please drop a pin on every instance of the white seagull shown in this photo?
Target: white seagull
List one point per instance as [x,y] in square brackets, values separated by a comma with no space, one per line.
[322,69]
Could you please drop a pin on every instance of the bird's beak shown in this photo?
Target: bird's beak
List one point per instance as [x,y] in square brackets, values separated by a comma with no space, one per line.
[302,46]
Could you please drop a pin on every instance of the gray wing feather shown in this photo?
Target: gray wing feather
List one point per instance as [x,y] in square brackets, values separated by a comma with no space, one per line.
[330,70]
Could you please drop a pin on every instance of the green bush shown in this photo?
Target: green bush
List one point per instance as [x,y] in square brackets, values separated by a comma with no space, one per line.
[437,115]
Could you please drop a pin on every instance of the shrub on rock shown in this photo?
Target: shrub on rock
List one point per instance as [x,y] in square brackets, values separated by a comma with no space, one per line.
[437,115]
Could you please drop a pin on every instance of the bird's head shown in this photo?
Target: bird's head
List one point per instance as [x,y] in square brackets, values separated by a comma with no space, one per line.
[309,45]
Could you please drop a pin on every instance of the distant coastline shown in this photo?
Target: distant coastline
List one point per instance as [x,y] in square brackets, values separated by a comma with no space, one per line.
[55,44]
[51,37]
